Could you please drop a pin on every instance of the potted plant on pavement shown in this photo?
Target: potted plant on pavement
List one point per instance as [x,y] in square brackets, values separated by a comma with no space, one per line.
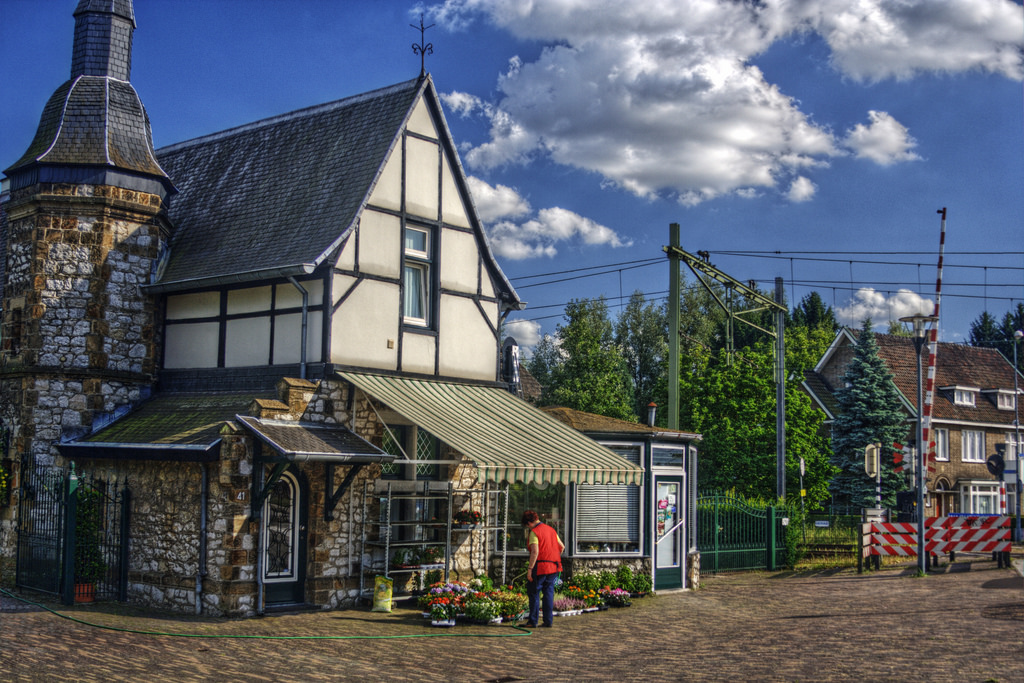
[89,565]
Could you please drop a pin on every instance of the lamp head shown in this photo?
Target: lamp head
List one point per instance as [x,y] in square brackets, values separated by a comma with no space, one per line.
[1017,334]
[919,322]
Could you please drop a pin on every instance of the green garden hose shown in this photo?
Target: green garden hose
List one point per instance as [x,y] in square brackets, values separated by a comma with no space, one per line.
[519,630]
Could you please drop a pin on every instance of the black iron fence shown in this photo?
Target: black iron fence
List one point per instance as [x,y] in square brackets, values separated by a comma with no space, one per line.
[73,535]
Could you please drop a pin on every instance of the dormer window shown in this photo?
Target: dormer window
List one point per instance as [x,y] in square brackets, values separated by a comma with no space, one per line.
[416,277]
[963,395]
[1004,401]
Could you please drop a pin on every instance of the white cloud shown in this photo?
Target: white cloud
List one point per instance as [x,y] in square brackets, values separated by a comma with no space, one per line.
[525,332]
[462,103]
[536,236]
[499,201]
[885,141]
[801,190]
[662,98]
[883,307]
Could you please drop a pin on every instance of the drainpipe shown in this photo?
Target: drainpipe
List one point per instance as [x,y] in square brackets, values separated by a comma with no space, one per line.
[305,319]
[201,574]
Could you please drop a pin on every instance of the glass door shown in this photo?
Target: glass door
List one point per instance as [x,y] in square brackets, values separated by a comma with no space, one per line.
[669,532]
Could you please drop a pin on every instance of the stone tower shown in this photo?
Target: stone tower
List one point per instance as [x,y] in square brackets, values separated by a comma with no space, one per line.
[84,225]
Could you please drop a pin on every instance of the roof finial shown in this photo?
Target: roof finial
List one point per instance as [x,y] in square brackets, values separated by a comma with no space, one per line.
[422,49]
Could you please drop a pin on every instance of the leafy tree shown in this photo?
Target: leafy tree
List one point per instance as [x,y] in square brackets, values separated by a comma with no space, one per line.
[545,358]
[591,374]
[869,412]
[812,313]
[732,406]
[898,329]
[640,333]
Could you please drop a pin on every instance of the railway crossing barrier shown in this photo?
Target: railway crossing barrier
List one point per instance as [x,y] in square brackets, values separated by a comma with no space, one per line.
[943,536]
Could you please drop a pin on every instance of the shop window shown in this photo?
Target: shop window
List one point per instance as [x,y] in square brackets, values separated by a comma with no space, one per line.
[547,500]
[608,515]
[667,457]
[973,446]
[942,445]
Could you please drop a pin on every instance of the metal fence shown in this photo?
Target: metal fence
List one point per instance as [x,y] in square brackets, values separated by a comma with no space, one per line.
[73,535]
[734,534]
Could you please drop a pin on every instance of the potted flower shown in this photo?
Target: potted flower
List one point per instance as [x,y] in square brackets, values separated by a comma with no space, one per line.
[480,608]
[431,554]
[467,519]
[567,607]
[616,597]
[443,609]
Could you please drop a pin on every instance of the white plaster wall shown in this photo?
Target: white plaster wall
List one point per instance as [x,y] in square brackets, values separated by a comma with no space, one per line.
[420,120]
[454,212]
[361,328]
[247,342]
[249,300]
[468,347]
[201,305]
[388,191]
[191,346]
[421,178]
[460,265]
[289,297]
[418,353]
[380,244]
[288,337]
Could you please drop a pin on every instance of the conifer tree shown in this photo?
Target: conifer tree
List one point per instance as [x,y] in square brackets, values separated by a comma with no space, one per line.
[869,412]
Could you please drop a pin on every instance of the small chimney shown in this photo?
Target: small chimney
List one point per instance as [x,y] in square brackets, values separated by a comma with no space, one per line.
[652,411]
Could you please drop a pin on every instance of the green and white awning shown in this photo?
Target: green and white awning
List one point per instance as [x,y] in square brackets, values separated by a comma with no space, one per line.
[508,439]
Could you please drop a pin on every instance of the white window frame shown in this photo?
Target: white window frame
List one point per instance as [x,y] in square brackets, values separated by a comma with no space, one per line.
[963,397]
[941,444]
[1011,446]
[1005,401]
[972,445]
[416,269]
[979,498]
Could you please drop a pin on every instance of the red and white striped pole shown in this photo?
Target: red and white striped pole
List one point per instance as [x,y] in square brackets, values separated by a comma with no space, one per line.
[928,443]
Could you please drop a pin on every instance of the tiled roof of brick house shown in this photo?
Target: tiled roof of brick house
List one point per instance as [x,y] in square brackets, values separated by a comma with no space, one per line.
[957,365]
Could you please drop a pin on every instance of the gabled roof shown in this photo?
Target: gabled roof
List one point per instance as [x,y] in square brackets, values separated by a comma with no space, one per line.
[278,195]
[956,365]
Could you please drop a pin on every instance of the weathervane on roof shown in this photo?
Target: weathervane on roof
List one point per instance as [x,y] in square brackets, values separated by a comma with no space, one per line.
[423,49]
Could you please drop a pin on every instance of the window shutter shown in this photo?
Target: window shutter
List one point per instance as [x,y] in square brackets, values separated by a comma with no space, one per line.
[609,513]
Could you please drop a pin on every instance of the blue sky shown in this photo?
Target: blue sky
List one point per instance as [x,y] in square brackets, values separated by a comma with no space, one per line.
[809,140]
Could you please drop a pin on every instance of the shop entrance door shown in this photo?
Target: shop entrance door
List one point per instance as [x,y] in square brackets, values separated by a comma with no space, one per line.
[669,532]
[283,542]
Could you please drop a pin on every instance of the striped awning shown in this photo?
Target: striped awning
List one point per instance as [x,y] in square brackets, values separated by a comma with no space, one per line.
[508,439]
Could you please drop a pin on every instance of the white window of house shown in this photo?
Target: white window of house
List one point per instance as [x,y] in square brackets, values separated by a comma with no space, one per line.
[963,397]
[942,445]
[1011,446]
[1004,401]
[979,499]
[973,446]
[608,515]
[416,276]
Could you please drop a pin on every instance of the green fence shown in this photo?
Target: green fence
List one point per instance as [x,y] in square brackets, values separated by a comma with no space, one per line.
[732,534]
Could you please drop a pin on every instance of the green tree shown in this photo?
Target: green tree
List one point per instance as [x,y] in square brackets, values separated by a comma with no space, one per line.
[640,333]
[591,374]
[545,358]
[812,313]
[732,405]
[986,332]
[869,412]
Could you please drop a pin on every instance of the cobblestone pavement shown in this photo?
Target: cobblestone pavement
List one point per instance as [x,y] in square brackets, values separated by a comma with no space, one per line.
[965,623]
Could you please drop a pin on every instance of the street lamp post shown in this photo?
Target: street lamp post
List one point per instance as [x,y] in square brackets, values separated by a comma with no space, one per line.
[1017,335]
[920,332]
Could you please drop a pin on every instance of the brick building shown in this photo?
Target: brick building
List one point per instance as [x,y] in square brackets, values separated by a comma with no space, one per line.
[973,414]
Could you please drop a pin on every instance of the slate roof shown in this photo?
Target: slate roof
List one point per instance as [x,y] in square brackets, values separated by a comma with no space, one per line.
[304,440]
[281,193]
[820,389]
[956,365]
[175,419]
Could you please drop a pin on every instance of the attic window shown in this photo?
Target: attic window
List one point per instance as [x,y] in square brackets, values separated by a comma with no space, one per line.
[963,397]
[417,276]
[1004,401]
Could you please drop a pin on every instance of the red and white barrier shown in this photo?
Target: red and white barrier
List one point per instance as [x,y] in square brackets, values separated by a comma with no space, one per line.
[943,536]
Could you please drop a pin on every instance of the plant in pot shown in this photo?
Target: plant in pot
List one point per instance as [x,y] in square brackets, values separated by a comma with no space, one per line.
[467,518]
[89,565]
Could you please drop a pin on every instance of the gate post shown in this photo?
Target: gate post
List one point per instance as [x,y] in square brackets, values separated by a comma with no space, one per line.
[122,578]
[770,518]
[67,589]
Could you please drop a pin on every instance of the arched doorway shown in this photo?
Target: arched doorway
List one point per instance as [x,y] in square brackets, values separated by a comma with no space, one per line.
[283,541]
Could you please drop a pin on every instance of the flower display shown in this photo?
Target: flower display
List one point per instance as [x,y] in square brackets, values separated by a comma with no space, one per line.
[590,597]
[569,604]
[467,517]
[615,597]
